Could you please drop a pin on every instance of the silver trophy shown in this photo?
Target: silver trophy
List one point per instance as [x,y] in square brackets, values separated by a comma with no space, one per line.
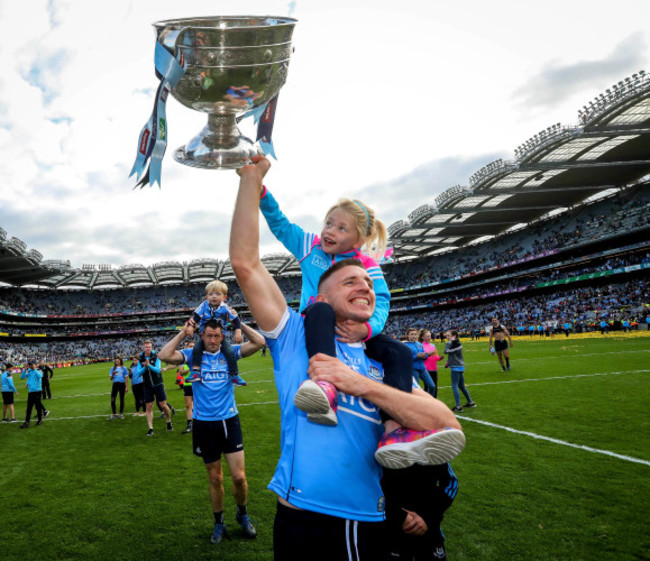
[234,64]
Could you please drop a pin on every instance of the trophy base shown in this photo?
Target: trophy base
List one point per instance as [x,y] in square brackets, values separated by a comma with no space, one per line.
[220,145]
[216,159]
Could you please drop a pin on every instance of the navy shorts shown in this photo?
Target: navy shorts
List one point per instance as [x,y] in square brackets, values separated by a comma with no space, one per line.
[210,439]
[7,398]
[155,392]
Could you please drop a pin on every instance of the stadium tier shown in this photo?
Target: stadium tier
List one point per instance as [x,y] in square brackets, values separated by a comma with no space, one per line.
[582,266]
[562,233]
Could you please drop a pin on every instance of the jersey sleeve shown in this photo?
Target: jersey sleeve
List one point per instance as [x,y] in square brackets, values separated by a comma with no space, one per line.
[382,300]
[292,236]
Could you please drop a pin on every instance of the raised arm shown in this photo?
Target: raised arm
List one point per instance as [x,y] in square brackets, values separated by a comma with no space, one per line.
[255,341]
[292,236]
[265,300]
[169,352]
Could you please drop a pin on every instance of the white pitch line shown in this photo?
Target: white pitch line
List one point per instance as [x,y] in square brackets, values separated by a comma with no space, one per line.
[557,441]
[440,387]
[462,417]
[554,378]
[156,413]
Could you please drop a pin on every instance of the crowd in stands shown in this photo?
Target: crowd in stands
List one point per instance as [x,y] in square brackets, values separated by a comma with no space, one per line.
[579,226]
[59,352]
[583,307]
[467,309]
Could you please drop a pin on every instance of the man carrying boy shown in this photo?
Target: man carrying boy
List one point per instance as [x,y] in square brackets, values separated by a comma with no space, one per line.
[330,503]
[216,429]
[214,307]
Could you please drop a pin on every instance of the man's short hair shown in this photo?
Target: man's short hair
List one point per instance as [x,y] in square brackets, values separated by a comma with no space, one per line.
[216,286]
[213,324]
[349,262]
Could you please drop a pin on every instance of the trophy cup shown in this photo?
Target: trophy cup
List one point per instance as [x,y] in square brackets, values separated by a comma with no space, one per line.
[234,67]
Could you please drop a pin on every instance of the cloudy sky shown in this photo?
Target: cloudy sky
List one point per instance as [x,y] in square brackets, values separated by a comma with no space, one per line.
[392,104]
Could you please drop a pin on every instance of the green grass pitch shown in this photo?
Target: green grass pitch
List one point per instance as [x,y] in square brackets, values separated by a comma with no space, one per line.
[557,464]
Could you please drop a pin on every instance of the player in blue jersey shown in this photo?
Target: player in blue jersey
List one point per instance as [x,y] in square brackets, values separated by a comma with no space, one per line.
[214,307]
[350,230]
[216,429]
[119,376]
[137,388]
[330,502]
[34,390]
[8,391]
[149,367]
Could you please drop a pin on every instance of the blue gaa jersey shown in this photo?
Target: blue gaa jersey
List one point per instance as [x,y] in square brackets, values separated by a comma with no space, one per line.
[119,374]
[214,396]
[8,382]
[331,470]
[34,380]
[136,375]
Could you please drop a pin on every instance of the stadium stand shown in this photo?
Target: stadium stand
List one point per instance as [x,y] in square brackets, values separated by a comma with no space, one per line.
[561,234]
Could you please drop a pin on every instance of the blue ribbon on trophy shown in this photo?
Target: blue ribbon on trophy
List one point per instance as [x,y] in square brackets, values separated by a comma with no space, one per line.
[152,141]
[264,117]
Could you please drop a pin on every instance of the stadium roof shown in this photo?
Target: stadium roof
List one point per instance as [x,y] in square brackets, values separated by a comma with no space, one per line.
[558,168]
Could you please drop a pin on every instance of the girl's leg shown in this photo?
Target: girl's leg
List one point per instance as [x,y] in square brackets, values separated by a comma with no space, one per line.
[434,377]
[428,382]
[395,357]
[455,375]
[461,386]
[122,392]
[113,396]
[319,399]
[320,321]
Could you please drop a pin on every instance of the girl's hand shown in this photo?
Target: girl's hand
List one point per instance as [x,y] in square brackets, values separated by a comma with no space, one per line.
[351,331]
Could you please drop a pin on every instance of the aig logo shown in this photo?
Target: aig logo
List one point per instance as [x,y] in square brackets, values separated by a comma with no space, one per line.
[320,262]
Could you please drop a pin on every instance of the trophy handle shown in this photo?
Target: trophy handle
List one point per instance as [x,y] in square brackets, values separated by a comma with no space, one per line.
[169,38]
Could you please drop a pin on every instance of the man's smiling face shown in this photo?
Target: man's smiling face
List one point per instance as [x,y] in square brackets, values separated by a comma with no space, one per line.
[350,292]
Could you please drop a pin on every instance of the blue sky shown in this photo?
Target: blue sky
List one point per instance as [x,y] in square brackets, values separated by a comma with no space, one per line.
[391,103]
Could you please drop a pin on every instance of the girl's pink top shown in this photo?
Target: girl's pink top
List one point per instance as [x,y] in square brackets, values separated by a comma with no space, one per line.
[431,363]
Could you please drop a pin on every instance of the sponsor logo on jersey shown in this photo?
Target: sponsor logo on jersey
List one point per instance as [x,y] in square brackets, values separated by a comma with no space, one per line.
[319,262]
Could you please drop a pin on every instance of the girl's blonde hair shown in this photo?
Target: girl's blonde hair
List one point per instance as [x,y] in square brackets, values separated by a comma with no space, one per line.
[371,232]
[421,334]
[216,286]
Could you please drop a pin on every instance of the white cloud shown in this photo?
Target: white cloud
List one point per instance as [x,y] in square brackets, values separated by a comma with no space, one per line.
[381,98]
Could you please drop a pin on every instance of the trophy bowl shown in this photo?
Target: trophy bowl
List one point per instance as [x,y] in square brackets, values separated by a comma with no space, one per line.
[234,64]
